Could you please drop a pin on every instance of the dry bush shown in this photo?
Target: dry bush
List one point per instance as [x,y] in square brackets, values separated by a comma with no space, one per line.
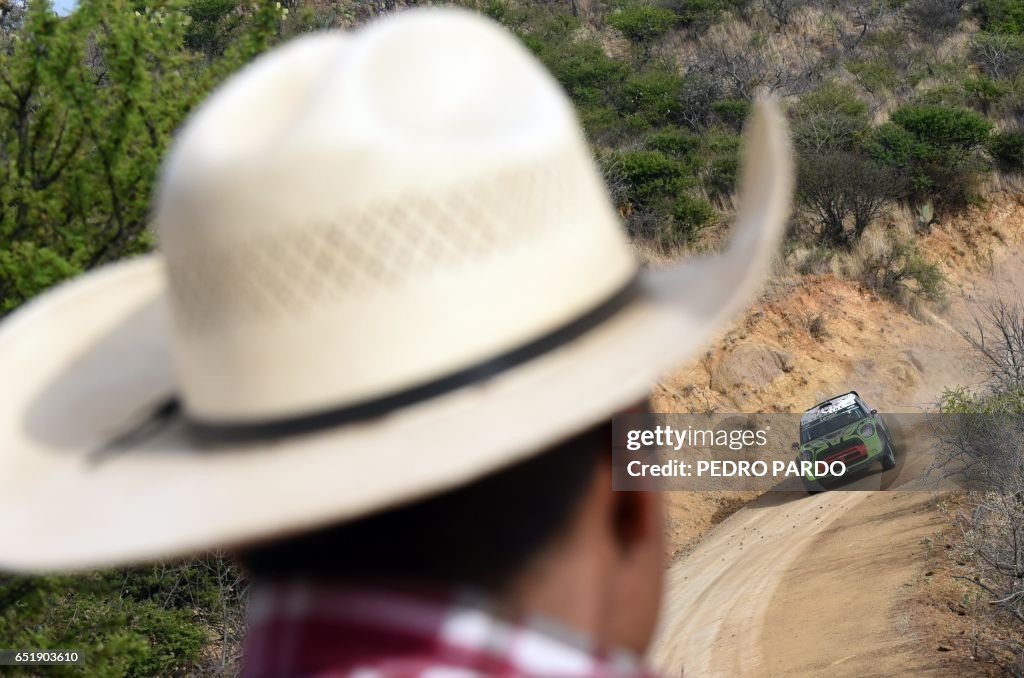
[981,441]
[817,326]
[750,64]
[998,346]
[891,264]
[933,20]
[781,10]
[857,20]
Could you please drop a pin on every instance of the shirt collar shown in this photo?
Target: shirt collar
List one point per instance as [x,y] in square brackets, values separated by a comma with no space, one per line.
[308,628]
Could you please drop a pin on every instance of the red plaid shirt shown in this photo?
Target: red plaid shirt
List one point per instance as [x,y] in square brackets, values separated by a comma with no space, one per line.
[312,629]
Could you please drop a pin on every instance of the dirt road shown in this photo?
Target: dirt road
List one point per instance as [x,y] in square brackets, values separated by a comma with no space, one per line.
[794,585]
[797,585]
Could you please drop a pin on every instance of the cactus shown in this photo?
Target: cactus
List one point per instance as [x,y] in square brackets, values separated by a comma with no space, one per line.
[925,216]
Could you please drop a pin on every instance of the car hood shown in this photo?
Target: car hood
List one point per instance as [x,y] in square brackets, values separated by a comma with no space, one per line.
[836,437]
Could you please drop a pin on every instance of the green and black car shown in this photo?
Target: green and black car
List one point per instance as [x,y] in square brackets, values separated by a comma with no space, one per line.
[843,429]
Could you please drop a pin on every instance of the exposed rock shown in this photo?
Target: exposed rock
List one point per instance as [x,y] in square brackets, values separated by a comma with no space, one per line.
[750,365]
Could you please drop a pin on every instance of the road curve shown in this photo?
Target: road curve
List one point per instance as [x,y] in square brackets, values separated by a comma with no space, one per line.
[796,585]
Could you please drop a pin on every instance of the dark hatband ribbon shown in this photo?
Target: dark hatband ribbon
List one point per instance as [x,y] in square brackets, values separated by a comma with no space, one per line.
[220,432]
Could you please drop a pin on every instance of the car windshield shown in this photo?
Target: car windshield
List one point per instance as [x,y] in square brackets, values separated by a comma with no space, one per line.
[830,422]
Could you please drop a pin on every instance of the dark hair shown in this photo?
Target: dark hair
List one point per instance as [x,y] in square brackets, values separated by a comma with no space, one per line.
[481,535]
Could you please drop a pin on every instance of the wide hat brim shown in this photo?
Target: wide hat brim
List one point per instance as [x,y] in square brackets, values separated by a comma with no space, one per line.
[81,364]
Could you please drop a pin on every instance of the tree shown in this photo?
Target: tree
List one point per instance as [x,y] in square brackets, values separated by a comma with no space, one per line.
[1000,56]
[781,10]
[846,192]
[749,64]
[865,15]
[934,19]
[1001,16]
[829,119]
[698,93]
[87,107]
[12,15]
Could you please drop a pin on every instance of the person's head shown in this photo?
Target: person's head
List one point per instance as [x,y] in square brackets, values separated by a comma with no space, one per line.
[545,535]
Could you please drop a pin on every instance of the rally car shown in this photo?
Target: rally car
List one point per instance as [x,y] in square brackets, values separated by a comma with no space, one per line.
[843,429]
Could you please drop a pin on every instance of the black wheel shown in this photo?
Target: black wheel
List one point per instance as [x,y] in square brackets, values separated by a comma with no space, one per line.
[888,457]
[812,488]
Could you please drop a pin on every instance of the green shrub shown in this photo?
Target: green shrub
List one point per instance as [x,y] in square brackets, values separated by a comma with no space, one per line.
[653,94]
[180,639]
[732,112]
[943,127]
[689,216]
[876,75]
[1007,149]
[603,124]
[1001,16]
[591,78]
[942,95]
[935,149]
[150,621]
[642,23]
[651,178]
[962,401]
[832,98]
[900,269]
[673,141]
[892,145]
[721,154]
[699,14]
[983,93]
[501,11]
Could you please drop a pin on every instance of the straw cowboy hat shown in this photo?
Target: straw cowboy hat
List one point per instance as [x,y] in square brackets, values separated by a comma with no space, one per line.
[387,267]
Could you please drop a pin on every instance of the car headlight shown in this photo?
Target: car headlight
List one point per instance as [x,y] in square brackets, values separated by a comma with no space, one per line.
[805,455]
[866,431]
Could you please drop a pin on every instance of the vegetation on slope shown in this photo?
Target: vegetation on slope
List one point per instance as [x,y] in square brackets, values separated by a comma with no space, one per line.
[894,104]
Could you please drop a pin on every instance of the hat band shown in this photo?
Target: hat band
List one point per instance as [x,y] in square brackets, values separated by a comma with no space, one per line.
[221,432]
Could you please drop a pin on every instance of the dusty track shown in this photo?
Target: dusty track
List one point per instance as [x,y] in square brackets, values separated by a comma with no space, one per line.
[792,585]
[800,586]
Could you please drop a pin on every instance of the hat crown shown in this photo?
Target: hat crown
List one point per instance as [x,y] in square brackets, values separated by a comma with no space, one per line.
[351,216]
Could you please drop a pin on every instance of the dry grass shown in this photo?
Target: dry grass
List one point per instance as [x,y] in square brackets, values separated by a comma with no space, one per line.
[650,254]
[1010,184]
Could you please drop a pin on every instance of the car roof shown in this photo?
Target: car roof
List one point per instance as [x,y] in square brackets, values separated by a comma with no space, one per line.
[830,406]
